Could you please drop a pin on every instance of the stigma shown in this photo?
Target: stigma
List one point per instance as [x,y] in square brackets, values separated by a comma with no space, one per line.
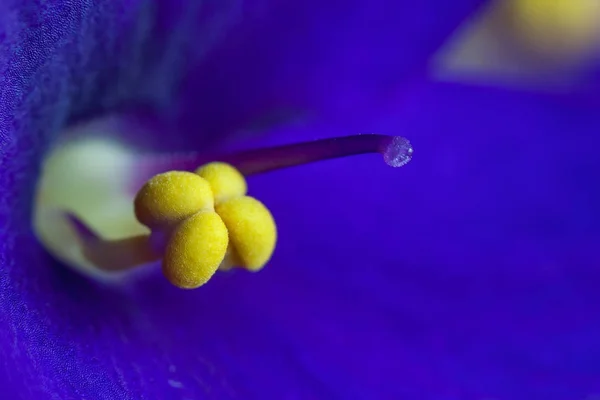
[191,214]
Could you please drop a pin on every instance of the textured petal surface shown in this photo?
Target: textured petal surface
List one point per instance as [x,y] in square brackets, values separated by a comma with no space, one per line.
[311,327]
[378,287]
[302,60]
[471,273]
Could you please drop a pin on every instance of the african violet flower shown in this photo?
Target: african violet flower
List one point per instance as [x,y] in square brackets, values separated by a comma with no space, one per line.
[468,275]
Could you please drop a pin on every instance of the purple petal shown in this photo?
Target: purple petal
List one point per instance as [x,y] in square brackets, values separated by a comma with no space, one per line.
[303,60]
[67,337]
[471,273]
[378,288]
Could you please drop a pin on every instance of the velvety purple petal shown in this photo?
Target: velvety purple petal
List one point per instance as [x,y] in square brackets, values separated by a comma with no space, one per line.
[66,337]
[307,60]
[61,61]
[471,273]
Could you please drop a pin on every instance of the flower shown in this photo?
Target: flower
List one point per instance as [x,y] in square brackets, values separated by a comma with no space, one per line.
[466,276]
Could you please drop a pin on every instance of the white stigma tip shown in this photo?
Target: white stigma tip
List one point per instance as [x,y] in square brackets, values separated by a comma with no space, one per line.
[398,152]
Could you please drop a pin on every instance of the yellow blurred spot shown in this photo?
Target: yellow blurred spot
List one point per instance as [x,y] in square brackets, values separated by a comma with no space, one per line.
[546,45]
[559,28]
[168,198]
[226,181]
[252,230]
[196,249]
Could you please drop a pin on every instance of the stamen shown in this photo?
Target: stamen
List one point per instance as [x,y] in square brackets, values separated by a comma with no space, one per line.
[252,231]
[117,254]
[120,254]
[169,198]
[203,221]
[195,250]
[226,182]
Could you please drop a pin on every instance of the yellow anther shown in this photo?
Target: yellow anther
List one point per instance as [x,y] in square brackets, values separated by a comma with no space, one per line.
[252,231]
[168,198]
[225,180]
[196,249]
[200,238]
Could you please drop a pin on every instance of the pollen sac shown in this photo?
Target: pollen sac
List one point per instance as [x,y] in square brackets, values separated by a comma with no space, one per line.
[252,231]
[195,250]
[225,180]
[169,198]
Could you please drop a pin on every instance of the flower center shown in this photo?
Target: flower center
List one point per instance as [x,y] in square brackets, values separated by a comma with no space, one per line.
[195,218]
